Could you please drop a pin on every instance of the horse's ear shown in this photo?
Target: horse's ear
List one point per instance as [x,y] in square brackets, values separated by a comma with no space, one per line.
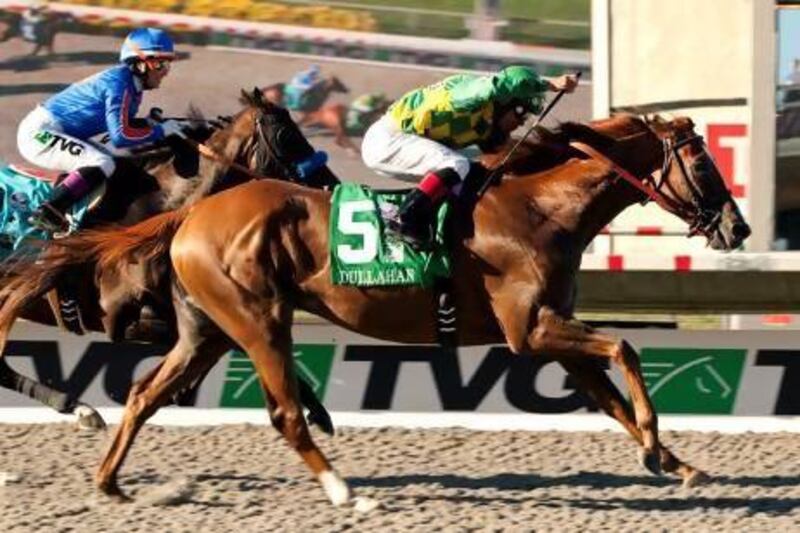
[244,98]
[257,94]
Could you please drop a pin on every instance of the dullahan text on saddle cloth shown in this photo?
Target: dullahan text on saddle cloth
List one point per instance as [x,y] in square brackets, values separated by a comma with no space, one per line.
[363,257]
[367,278]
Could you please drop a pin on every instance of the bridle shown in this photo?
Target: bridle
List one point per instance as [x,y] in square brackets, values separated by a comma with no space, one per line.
[267,153]
[701,219]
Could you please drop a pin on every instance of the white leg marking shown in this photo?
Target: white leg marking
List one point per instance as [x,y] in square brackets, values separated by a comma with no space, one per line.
[337,490]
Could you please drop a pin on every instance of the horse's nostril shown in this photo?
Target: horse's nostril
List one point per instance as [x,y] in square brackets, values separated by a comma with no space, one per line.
[741,230]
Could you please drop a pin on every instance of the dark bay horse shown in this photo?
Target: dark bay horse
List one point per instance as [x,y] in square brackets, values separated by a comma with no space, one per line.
[253,143]
[245,259]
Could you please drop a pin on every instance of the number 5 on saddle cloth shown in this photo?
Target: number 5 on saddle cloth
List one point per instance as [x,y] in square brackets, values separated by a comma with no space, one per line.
[362,256]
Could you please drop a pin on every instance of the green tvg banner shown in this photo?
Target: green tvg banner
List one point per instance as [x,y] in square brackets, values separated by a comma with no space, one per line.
[242,388]
[695,373]
[693,380]
[738,373]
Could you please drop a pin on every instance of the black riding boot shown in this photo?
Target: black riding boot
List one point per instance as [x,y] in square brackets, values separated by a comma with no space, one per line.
[51,215]
[414,221]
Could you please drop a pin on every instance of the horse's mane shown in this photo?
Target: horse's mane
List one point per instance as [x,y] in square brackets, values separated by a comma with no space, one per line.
[548,147]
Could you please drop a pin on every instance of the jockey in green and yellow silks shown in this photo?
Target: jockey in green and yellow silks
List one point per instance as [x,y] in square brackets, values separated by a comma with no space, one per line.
[420,134]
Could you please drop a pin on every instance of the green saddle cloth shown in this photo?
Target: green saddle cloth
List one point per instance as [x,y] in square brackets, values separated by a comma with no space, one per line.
[361,253]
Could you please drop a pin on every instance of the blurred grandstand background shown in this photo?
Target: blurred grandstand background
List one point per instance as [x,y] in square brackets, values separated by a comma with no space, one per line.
[533,22]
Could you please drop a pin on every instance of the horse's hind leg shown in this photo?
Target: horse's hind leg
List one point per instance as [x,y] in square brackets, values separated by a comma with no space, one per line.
[269,346]
[593,379]
[187,359]
[262,328]
[63,403]
[563,337]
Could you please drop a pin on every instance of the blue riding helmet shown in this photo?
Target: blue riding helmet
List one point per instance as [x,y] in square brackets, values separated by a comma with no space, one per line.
[142,43]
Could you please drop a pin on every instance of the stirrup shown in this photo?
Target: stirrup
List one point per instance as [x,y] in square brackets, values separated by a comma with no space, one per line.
[49,219]
[397,230]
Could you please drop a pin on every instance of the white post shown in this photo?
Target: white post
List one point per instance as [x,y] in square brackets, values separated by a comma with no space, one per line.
[601,58]
[484,23]
[761,186]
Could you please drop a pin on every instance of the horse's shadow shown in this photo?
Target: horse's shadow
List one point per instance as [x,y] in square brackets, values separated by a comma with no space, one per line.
[26,88]
[40,62]
[510,483]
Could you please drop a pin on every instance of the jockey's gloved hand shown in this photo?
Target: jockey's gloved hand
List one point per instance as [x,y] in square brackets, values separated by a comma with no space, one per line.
[173,127]
[156,114]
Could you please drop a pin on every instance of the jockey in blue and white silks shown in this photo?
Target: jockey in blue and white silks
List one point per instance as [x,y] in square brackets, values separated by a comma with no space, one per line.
[55,134]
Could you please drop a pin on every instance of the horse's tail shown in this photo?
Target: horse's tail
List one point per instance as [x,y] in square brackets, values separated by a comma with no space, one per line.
[28,277]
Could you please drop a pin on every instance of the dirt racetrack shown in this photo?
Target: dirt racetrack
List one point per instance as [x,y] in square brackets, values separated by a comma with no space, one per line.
[244,478]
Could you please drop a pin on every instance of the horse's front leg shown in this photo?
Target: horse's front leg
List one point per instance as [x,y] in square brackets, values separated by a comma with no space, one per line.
[565,338]
[592,378]
[343,140]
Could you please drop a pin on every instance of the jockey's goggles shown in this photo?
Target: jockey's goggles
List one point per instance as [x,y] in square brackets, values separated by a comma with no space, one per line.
[520,110]
[158,63]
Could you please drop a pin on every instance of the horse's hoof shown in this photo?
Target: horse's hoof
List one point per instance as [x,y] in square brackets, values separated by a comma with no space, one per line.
[322,420]
[650,460]
[365,505]
[114,495]
[89,419]
[696,479]
[335,487]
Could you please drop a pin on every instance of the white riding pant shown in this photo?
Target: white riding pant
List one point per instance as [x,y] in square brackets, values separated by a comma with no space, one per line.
[42,141]
[406,156]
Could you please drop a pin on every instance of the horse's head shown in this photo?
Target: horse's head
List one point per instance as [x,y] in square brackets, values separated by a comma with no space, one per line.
[690,178]
[274,93]
[337,86]
[278,148]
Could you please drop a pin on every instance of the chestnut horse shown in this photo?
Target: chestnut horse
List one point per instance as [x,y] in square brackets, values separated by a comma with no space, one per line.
[245,259]
[259,140]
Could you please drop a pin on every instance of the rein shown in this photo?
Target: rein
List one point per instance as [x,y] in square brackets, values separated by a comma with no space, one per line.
[646,186]
[208,152]
[305,168]
[696,216]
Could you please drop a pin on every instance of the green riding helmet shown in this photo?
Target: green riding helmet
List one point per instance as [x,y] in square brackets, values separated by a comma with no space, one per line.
[512,84]
[520,84]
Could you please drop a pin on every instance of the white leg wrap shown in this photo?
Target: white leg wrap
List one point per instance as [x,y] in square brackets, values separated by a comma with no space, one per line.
[337,490]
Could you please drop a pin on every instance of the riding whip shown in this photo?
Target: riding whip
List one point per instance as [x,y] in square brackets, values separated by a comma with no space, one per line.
[536,123]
